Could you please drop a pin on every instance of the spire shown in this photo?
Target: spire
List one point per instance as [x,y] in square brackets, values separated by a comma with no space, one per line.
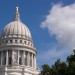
[17,16]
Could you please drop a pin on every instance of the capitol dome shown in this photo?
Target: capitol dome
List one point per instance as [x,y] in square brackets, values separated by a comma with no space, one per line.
[16,28]
[17,51]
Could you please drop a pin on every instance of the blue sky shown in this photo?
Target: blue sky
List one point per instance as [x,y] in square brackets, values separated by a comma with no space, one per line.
[52,33]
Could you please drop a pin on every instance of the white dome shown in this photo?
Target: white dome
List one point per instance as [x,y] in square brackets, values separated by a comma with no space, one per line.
[16,28]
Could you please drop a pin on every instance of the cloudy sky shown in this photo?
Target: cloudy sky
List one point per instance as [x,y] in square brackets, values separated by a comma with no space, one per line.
[51,22]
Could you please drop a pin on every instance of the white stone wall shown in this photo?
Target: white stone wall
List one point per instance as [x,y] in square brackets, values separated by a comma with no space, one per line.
[18,71]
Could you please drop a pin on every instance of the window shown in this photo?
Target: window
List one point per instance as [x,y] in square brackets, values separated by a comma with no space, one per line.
[20,61]
[6,41]
[25,42]
[15,41]
[20,41]
[9,60]
[10,41]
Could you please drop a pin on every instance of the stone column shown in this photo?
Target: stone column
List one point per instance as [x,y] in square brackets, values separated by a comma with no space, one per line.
[28,59]
[32,59]
[7,57]
[18,57]
[23,57]
[1,57]
[12,57]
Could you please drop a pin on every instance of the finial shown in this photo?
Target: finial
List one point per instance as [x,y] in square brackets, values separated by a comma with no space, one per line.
[17,9]
[17,16]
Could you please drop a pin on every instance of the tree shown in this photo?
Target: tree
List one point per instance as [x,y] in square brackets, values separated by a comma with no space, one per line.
[45,69]
[71,64]
[60,67]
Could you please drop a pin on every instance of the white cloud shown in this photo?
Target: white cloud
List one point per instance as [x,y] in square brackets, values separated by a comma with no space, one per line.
[61,22]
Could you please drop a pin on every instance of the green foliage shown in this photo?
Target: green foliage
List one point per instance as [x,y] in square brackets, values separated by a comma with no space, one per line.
[46,69]
[60,68]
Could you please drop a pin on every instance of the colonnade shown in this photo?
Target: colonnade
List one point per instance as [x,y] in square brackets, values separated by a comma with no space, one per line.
[17,57]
